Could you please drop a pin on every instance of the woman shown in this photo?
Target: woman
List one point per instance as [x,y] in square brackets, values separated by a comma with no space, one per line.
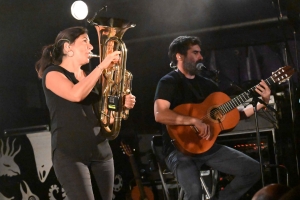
[77,145]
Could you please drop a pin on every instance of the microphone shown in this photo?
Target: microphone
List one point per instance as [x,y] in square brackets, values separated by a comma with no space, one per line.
[201,67]
[103,8]
[254,96]
[90,21]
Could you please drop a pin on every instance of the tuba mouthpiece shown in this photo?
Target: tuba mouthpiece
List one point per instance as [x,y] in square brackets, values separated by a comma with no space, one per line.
[91,55]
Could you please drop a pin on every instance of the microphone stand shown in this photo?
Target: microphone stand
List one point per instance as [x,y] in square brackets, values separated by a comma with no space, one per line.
[254,102]
[264,103]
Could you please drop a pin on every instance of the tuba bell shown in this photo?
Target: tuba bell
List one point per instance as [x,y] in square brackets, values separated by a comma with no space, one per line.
[115,82]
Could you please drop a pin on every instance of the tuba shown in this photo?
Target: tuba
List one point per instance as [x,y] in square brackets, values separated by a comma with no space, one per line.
[115,82]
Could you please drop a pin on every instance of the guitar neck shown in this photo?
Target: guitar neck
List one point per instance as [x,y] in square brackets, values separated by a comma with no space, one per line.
[235,102]
[137,176]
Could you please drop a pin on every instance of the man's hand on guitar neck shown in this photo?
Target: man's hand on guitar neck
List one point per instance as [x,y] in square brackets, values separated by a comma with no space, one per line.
[264,91]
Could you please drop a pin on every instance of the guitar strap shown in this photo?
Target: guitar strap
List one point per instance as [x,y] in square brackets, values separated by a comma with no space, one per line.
[196,92]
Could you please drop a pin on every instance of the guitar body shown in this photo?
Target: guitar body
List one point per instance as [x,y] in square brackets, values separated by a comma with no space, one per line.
[136,195]
[185,137]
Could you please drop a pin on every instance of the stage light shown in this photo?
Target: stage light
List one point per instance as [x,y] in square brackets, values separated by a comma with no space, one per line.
[79,10]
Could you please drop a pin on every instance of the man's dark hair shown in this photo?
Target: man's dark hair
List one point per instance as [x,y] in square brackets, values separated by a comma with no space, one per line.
[181,45]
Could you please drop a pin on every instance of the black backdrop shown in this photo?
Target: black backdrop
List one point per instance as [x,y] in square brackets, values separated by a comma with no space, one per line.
[226,27]
[245,40]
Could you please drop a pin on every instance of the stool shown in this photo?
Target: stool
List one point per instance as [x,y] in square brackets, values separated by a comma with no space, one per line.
[167,177]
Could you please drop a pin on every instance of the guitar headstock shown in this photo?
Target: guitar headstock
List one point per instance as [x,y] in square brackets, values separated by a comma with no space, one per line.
[282,74]
[126,149]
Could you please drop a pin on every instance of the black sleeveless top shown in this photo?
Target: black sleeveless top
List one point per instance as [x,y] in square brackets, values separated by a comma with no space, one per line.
[72,123]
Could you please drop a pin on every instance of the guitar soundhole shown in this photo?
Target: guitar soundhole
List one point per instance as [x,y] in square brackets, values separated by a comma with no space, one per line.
[216,114]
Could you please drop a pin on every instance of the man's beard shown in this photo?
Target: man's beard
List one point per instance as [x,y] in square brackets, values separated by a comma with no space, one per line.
[189,67]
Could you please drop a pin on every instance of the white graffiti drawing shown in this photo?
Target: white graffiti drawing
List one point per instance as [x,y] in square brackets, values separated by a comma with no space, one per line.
[55,188]
[64,194]
[27,195]
[118,183]
[8,166]
[2,197]
[41,145]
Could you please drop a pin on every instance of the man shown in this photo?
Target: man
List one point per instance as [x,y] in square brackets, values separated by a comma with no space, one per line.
[183,86]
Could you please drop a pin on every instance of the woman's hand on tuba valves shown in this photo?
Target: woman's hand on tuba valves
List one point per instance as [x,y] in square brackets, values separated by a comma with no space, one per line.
[129,101]
[110,58]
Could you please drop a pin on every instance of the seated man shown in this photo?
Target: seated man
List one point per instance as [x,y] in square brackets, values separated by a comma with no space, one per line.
[183,86]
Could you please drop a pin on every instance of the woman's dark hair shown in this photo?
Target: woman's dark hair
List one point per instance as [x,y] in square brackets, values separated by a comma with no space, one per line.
[53,54]
[181,45]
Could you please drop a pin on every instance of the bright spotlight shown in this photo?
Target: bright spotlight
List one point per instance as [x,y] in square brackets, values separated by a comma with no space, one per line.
[79,10]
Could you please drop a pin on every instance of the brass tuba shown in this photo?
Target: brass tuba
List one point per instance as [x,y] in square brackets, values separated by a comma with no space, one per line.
[115,81]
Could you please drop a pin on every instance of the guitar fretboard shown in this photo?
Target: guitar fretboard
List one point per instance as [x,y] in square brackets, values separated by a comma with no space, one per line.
[233,103]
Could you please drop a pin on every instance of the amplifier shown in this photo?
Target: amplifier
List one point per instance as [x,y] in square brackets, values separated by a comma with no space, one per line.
[247,143]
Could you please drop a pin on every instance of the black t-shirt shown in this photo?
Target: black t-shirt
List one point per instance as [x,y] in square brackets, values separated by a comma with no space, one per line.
[177,89]
[73,123]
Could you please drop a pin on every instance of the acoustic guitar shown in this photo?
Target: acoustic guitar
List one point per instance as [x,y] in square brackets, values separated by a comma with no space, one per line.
[139,192]
[219,112]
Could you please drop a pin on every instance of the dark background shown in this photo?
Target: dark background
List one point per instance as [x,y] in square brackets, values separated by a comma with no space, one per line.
[229,30]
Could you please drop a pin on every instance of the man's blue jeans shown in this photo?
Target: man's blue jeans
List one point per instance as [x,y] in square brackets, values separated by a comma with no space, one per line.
[246,171]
